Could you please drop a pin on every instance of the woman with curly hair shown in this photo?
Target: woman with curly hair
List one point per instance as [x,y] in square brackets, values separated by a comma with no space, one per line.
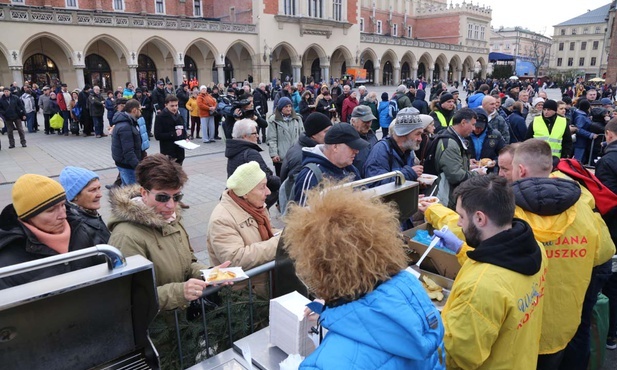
[346,248]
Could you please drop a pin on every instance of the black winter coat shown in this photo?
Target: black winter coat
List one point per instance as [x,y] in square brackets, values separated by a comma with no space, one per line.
[96,104]
[18,245]
[87,230]
[239,152]
[165,126]
[158,99]
[292,164]
[11,107]
[260,101]
[183,97]
[125,141]
[606,172]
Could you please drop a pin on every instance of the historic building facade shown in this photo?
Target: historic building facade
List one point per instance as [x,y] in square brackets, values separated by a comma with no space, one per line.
[528,49]
[581,43]
[111,42]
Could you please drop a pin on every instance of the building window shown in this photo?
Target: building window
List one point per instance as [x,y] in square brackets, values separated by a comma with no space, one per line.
[314,8]
[562,32]
[71,3]
[571,46]
[118,4]
[581,62]
[593,61]
[361,24]
[574,31]
[585,31]
[289,7]
[561,46]
[559,61]
[482,33]
[395,30]
[159,6]
[337,10]
[597,29]
[584,45]
[409,31]
[232,14]
[595,45]
[17,1]
[470,31]
[378,31]
[197,8]
[570,62]
[476,32]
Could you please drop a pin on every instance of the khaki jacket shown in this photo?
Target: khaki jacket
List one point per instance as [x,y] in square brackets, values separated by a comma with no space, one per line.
[233,236]
[138,229]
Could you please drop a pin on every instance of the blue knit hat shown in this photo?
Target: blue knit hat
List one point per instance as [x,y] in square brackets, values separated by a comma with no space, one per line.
[75,179]
[283,102]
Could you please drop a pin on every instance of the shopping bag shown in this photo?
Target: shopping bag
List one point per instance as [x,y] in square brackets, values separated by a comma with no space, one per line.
[56,122]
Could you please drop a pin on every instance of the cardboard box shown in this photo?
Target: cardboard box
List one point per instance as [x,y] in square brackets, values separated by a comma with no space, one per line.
[437,261]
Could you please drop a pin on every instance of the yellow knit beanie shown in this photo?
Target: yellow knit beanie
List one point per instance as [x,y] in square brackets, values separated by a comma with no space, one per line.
[245,178]
[32,194]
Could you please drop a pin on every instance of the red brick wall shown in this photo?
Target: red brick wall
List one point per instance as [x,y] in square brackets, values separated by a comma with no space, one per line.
[444,29]
[611,68]
[381,15]
[271,6]
[172,7]
[352,11]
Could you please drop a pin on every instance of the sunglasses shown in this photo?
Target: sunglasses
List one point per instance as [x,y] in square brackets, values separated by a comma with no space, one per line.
[164,198]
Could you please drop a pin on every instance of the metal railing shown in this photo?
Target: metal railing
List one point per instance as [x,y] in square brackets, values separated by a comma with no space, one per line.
[591,162]
[203,307]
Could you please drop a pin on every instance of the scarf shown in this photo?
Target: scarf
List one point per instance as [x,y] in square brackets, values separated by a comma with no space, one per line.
[259,214]
[57,242]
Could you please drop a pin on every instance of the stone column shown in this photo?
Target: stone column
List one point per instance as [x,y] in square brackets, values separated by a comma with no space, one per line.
[414,73]
[133,75]
[325,74]
[18,75]
[377,76]
[446,69]
[429,78]
[79,74]
[397,76]
[297,76]
[459,74]
[221,73]
[178,73]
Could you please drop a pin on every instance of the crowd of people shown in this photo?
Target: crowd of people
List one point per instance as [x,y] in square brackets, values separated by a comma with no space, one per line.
[534,253]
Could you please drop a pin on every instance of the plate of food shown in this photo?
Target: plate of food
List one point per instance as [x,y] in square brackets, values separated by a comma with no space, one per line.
[487,162]
[427,179]
[428,200]
[218,275]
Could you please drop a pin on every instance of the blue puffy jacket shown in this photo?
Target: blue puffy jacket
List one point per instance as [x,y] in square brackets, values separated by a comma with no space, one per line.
[384,158]
[583,123]
[393,327]
[475,100]
[143,131]
[384,114]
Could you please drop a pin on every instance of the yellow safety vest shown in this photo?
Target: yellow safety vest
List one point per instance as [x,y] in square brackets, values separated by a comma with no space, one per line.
[442,119]
[540,131]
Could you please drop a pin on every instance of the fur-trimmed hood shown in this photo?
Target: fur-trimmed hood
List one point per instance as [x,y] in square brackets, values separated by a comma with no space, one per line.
[125,209]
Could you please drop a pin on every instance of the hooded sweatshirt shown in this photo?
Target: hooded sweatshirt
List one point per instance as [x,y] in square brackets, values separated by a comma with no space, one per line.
[575,238]
[494,310]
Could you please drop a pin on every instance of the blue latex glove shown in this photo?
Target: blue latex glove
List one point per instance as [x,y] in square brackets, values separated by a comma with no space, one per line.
[449,240]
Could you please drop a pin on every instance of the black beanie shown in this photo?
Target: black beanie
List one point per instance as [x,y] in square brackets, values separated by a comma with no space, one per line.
[315,123]
[445,97]
[384,96]
[583,105]
[550,104]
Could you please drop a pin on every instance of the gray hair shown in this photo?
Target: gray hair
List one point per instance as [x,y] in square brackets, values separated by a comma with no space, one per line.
[243,127]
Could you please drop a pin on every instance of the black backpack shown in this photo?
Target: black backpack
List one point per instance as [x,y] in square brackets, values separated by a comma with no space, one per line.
[430,166]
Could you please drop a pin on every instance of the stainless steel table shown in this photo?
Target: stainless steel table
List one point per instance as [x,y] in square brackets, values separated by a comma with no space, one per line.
[265,356]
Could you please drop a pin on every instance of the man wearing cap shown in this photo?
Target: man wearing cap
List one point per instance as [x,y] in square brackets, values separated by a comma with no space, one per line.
[396,152]
[12,109]
[485,142]
[284,129]
[333,159]
[158,97]
[506,108]
[45,106]
[495,121]
[444,112]
[239,229]
[607,104]
[361,119]
[64,97]
[34,226]
[452,159]
[552,128]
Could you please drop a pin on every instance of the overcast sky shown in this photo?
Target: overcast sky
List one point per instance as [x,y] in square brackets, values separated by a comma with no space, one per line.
[537,15]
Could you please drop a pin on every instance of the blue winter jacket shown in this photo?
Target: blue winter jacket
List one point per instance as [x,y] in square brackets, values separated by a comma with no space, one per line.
[384,114]
[306,179]
[518,128]
[475,100]
[583,122]
[143,131]
[393,327]
[383,158]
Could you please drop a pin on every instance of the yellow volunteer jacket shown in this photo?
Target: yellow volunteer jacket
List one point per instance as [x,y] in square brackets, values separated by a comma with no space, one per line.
[493,316]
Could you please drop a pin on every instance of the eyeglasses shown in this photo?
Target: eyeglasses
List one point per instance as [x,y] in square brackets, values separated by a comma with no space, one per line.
[164,198]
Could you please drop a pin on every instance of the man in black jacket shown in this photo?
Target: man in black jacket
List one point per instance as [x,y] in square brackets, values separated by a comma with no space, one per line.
[84,118]
[12,109]
[260,102]
[183,95]
[158,97]
[126,141]
[169,128]
[96,102]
